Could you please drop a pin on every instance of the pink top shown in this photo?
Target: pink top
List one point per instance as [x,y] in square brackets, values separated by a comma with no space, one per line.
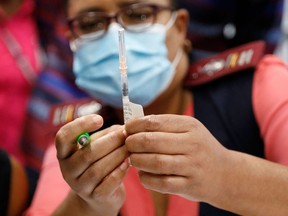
[14,88]
[270,102]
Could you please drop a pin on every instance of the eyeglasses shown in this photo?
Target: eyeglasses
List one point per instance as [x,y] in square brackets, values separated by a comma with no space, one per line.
[134,18]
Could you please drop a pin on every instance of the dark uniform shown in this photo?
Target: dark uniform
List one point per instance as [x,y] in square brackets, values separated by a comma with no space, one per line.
[217,25]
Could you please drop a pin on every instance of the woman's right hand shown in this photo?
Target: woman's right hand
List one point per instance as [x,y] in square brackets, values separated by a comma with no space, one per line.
[94,172]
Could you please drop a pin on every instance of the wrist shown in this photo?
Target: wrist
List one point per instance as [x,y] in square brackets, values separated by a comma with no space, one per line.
[235,176]
[222,173]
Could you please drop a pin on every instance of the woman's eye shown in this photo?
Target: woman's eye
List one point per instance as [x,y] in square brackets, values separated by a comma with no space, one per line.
[140,16]
[137,15]
[89,25]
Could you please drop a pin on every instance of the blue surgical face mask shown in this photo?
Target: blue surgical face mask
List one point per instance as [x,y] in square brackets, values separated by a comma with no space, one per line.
[96,65]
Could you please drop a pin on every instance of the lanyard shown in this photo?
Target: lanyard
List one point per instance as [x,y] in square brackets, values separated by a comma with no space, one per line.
[16,51]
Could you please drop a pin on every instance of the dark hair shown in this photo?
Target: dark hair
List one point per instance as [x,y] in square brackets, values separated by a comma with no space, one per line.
[65,2]
[174,4]
[65,5]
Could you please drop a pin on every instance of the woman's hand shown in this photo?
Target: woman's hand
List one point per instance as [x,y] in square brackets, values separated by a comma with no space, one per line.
[176,155]
[95,172]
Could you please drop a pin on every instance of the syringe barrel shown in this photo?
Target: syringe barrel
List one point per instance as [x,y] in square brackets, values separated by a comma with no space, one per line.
[124,83]
[122,52]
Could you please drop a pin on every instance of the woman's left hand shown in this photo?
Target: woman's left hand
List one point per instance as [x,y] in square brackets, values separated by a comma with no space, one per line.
[176,155]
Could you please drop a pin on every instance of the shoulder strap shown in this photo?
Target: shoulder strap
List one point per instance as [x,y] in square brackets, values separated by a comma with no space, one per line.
[229,62]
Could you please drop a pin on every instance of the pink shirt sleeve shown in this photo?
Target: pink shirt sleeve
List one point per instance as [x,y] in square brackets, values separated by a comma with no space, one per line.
[270,102]
[51,189]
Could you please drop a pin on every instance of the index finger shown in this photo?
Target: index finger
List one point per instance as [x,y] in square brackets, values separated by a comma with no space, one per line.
[164,123]
[67,135]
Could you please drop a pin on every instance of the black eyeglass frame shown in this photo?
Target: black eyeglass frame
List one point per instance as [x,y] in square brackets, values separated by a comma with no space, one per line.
[72,23]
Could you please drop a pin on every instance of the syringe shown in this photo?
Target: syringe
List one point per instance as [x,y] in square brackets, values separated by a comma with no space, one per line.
[130,110]
[123,65]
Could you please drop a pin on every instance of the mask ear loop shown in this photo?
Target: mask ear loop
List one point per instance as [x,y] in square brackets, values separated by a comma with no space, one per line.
[171,21]
[179,53]
[174,64]
[177,58]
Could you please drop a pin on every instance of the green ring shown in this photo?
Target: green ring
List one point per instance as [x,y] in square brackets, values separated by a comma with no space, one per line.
[84,139]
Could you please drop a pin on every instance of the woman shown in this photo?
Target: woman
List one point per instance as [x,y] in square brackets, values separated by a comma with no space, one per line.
[178,161]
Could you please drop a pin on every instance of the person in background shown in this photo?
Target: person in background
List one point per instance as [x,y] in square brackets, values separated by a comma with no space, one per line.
[197,151]
[20,65]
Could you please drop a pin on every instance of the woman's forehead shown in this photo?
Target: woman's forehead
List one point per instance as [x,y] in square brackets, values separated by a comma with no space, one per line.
[75,6]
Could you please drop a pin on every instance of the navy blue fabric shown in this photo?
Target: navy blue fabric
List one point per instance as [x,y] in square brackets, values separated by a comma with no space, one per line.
[224,106]
[252,19]
[208,210]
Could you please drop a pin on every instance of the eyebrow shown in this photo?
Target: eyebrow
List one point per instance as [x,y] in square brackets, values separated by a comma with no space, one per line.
[90,9]
[129,2]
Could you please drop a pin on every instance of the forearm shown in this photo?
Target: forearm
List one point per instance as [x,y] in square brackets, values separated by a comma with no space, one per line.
[253,186]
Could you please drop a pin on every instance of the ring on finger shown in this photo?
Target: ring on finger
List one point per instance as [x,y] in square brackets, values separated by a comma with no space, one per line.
[84,139]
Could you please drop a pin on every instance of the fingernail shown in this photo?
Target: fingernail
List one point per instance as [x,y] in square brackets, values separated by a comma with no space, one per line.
[97,117]
[125,133]
[124,165]
[129,161]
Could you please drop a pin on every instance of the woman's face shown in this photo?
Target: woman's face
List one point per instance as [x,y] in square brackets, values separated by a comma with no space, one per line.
[175,36]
